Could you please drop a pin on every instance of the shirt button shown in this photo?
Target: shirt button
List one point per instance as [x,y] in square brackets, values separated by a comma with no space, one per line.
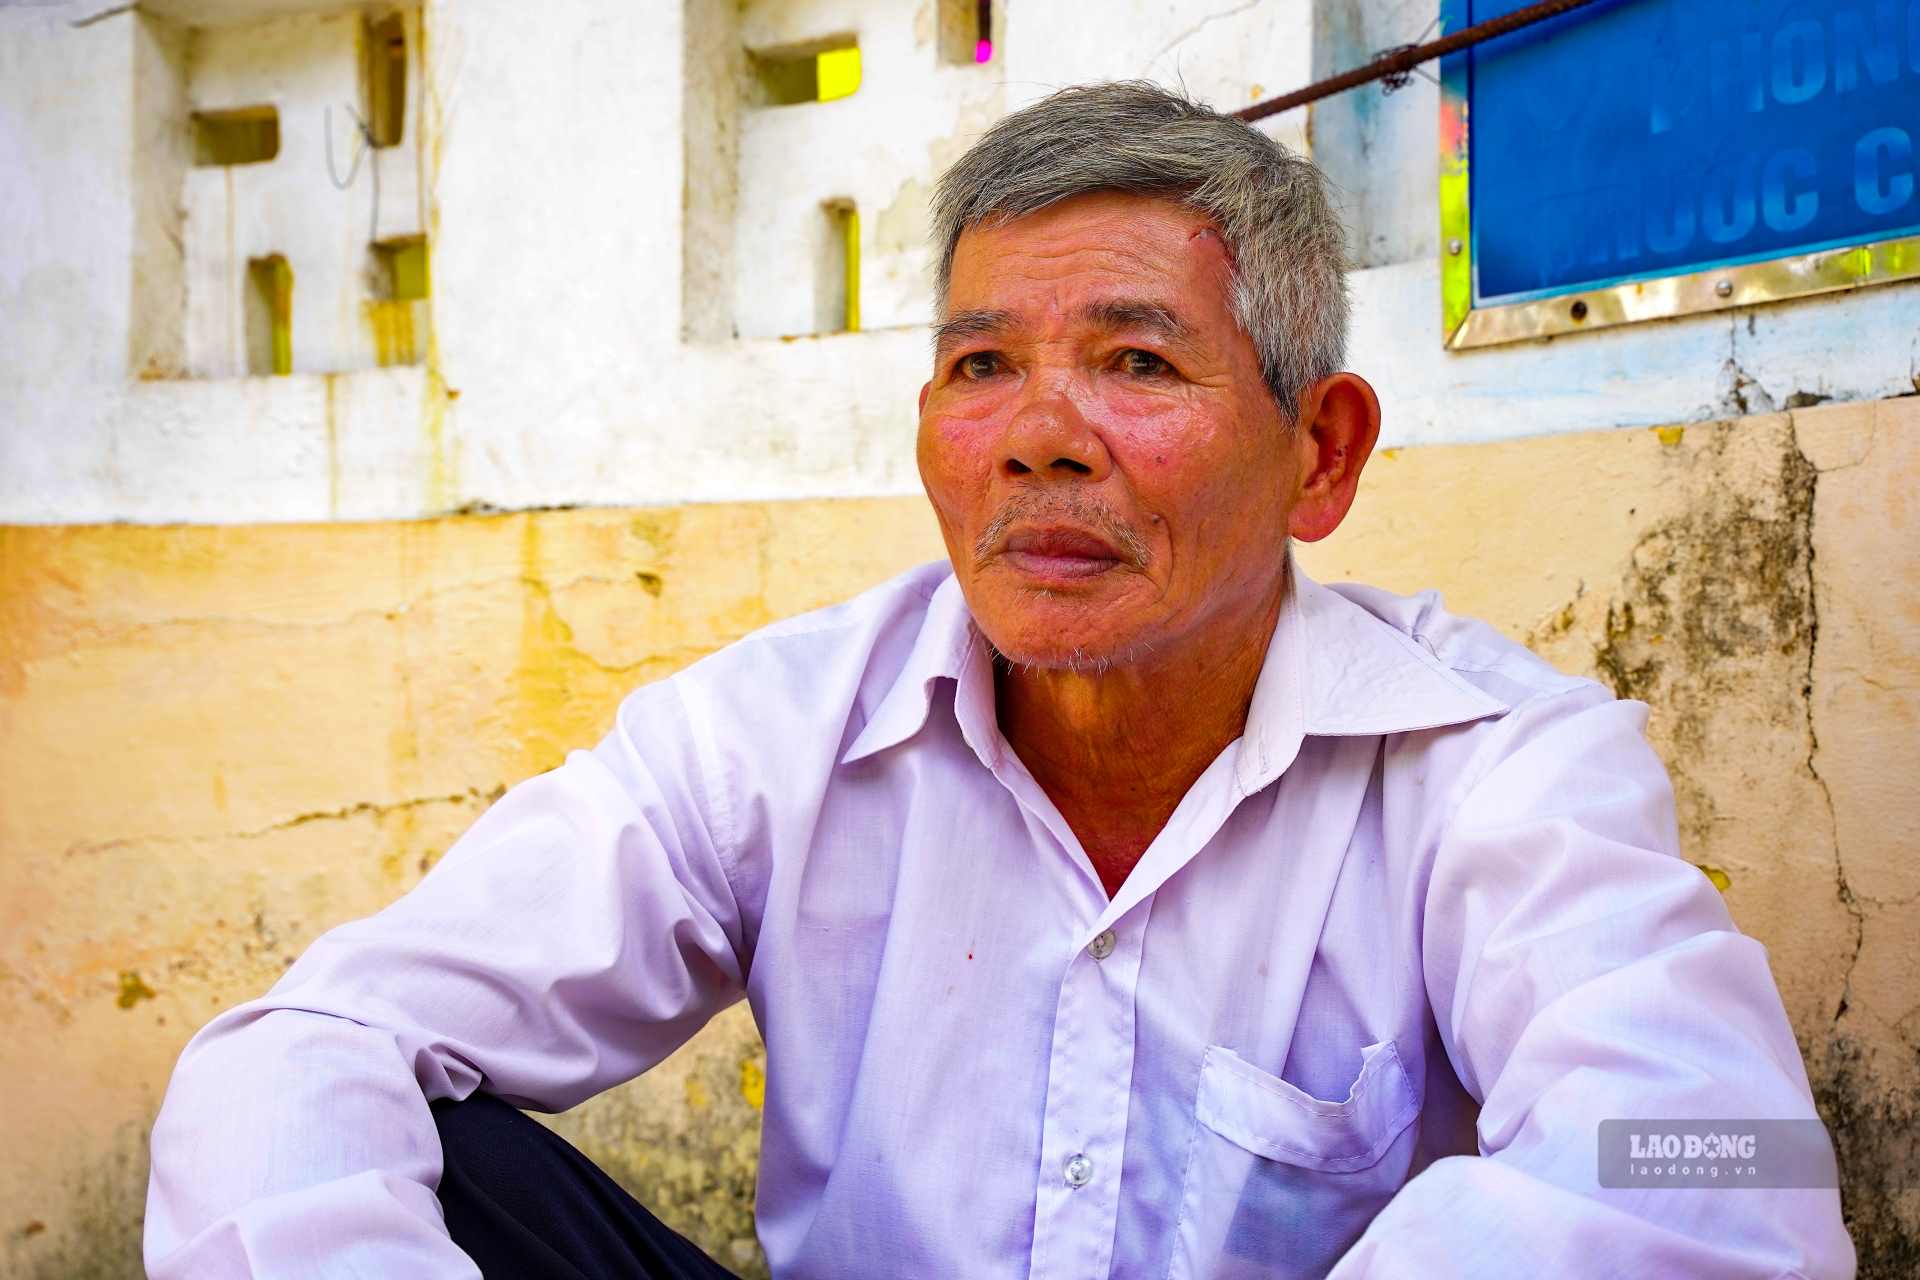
[1102,946]
[1079,1171]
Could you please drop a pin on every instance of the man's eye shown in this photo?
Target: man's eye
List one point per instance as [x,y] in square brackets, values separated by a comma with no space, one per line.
[980,364]
[1143,364]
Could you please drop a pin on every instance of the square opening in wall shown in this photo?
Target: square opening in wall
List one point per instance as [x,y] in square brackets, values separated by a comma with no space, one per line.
[397,315]
[400,269]
[817,72]
[269,311]
[966,32]
[314,89]
[837,270]
[243,135]
[386,72]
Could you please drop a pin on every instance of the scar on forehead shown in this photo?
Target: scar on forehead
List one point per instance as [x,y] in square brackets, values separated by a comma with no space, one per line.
[1220,242]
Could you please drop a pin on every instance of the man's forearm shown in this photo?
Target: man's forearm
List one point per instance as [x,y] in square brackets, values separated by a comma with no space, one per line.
[293,1142]
[1472,1216]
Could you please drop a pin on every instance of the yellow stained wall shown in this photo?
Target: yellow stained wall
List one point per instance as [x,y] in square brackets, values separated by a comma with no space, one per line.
[217,741]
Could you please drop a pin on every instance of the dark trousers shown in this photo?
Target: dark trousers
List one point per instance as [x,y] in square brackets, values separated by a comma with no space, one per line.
[525,1205]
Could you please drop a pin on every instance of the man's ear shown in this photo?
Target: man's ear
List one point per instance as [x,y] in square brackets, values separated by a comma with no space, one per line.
[1338,423]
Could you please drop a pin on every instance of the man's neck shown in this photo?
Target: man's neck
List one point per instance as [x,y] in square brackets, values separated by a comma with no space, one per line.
[1116,750]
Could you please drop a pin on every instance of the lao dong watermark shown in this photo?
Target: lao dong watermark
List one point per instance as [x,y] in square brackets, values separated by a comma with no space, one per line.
[1716,1153]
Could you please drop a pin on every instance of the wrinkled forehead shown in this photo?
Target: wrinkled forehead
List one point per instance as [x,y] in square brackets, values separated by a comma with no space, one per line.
[1084,250]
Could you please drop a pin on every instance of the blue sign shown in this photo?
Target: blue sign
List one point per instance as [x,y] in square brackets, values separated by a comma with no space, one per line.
[1643,138]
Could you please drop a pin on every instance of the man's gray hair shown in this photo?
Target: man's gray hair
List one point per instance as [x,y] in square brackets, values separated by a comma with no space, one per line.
[1284,238]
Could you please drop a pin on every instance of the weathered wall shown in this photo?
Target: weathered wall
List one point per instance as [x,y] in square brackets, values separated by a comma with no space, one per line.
[1758,584]
[607,213]
[217,741]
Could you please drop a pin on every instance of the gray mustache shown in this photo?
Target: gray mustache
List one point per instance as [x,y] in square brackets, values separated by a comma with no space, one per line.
[1066,509]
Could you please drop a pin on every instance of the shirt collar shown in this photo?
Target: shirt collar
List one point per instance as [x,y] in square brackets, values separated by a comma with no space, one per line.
[1332,670]
[946,641]
[1335,670]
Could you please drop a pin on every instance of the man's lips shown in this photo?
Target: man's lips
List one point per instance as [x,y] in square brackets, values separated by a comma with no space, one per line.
[1059,552]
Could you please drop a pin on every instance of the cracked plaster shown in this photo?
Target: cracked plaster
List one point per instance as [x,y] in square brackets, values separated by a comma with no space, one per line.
[1757,582]
[217,741]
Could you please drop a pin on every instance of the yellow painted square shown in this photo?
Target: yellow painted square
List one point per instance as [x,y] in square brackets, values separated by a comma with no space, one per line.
[838,73]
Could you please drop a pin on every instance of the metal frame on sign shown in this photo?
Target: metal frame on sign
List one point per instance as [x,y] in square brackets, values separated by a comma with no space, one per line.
[1723,288]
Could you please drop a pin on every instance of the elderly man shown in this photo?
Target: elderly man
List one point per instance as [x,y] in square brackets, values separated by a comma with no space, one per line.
[1113,901]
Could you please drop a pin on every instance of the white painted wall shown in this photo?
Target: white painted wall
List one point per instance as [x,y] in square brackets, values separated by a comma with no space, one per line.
[878,149]
[308,68]
[553,171]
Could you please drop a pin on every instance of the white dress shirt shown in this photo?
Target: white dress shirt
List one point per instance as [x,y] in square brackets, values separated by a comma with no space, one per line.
[1360,1008]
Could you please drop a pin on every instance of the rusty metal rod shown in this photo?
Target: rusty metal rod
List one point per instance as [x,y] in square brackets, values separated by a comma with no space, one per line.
[1402,61]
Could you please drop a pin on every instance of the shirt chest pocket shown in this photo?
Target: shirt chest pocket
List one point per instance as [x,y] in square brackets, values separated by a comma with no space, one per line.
[1280,1183]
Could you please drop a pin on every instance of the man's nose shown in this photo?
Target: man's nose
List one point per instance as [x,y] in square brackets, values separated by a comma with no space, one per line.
[1049,436]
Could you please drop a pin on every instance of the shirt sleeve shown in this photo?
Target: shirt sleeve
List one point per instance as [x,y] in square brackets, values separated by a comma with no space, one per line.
[583,929]
[1578,971]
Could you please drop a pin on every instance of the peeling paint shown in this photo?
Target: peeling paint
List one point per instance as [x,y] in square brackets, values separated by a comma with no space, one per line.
[902,226]
[1721,880]
[132,989]
[1711,594]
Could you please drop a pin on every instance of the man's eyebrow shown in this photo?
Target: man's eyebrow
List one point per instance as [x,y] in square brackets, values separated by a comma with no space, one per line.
[969,324]
[1130,313]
